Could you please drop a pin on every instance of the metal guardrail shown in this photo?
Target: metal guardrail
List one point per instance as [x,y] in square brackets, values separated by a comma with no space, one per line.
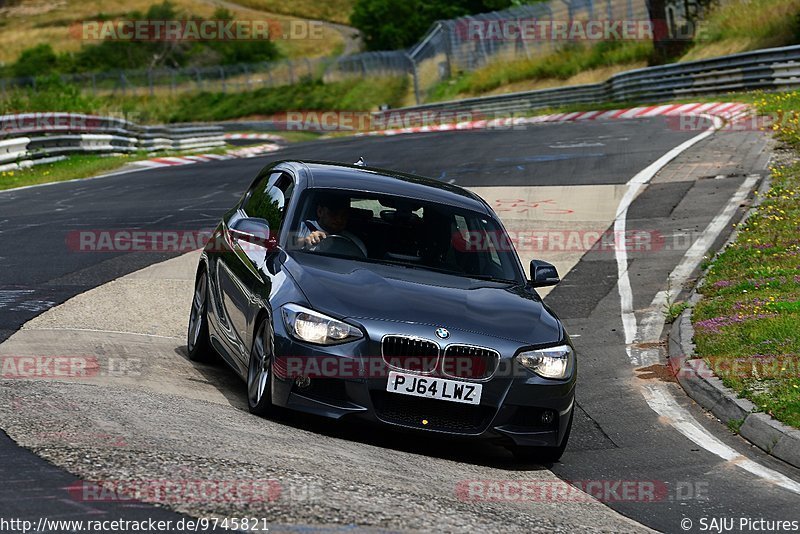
[768,69]
[30,138]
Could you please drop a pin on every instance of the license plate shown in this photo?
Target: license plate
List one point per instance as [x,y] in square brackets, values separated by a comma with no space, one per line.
[434,388]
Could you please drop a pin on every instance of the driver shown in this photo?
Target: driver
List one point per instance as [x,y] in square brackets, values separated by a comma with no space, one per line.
[333,213]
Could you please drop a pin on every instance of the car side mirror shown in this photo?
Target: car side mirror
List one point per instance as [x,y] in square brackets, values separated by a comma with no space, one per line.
[543,274]
[256,231]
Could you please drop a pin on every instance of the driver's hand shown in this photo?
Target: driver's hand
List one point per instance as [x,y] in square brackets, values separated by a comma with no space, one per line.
[314,238]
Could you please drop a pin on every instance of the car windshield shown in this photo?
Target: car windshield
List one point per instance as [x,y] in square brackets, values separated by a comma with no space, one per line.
[402,231]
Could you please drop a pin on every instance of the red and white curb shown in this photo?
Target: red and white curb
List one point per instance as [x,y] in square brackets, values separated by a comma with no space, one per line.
[725,110]
[173,161]
[264,136]
[728,111]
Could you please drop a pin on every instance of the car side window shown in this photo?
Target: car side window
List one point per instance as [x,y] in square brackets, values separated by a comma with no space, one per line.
[270,198]
[256,195]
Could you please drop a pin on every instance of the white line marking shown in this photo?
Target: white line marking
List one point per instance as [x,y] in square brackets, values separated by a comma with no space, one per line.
[658,397]
[634,186]
[653,322]
[664,405]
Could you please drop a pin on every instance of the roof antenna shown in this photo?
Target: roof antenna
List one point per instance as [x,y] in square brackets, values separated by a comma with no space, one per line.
[360,162]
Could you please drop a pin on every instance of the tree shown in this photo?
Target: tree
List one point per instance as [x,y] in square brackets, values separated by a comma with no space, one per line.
[391,25]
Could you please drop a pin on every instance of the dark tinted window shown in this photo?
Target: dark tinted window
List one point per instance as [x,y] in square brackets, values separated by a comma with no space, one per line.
[413,233]
[269,199]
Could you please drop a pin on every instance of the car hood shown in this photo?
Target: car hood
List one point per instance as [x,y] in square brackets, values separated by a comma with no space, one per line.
[360,290]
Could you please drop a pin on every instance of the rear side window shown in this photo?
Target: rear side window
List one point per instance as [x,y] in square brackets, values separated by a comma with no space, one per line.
[270,198]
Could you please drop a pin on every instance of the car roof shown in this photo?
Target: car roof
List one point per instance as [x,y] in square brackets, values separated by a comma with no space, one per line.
[330,175]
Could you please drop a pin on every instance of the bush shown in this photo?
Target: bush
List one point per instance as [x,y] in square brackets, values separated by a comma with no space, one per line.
[35,61]
[51,94]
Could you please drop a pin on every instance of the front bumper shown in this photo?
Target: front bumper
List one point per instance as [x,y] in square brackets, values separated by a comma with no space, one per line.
[344,381]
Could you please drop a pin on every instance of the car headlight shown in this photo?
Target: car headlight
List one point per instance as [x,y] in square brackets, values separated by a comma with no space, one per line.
[314,327]
[552,362]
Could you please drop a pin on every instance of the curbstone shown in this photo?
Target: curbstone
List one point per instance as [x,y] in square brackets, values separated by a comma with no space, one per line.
[759,428]
[788,447]
[700,383]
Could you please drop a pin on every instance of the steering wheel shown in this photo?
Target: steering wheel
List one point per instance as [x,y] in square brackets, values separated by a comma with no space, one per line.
[338,244]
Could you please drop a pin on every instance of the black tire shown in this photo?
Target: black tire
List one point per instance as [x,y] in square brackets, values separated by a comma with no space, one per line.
[543,455]
[198,343]
[259,371]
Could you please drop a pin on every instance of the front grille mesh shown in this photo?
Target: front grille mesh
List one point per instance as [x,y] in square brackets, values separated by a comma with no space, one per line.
[410,354]
[438,415]
[474,363]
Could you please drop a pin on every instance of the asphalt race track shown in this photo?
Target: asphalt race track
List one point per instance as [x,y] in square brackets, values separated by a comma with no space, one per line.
[568,177]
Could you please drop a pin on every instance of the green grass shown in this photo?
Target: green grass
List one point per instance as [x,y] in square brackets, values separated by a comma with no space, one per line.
[747,25]
[561,65]
[735,425]
[298,136]
[746,326]
[673,311]
[332,10]
[353,94]
[80,166]
[84,166]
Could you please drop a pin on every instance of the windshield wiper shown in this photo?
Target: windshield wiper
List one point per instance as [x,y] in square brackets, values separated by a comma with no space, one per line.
[490,278]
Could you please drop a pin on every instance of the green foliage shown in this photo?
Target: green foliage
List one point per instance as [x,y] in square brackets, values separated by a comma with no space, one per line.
[761,20]
[734,425]
[112,54]
[674,310]
[354,94]
[391,25]
[34,61]
[51,94]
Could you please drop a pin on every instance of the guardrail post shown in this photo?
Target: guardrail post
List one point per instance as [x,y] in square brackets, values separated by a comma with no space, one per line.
[248,78]
[416,78]
[268,70]
[524,41]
